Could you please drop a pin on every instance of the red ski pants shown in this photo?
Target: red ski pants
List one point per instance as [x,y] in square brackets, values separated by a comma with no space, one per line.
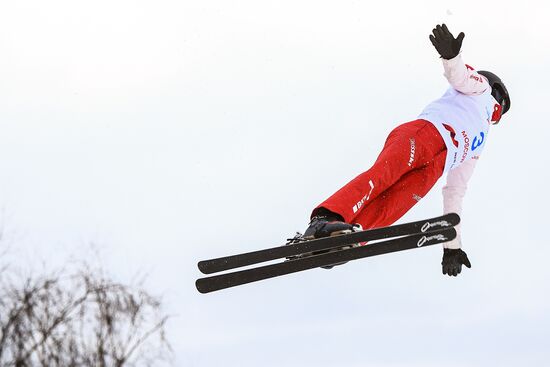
[411,162]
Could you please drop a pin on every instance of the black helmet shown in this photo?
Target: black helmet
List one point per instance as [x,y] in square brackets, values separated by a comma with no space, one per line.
[499,91]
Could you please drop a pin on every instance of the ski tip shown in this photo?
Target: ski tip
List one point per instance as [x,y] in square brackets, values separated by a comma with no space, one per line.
[203,266]
[454,234]
[455,218]
[451,234]
[214,265]
[200,286]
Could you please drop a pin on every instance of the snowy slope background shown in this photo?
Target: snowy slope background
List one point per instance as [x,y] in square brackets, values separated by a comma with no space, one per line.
[167,132]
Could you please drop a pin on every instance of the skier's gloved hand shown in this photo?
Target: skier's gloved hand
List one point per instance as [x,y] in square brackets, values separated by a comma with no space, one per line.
[453,261]
[445,43]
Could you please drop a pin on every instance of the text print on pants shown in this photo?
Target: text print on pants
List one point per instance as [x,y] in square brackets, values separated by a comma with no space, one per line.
[360,203]
[413,149]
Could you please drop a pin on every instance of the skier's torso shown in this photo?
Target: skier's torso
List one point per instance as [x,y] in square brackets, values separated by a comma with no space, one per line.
[463,121]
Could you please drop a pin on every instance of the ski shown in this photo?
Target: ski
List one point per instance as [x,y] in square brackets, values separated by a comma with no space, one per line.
[222,281]
[255,257]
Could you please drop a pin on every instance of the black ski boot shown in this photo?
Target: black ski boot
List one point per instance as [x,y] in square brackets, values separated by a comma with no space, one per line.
[325,225]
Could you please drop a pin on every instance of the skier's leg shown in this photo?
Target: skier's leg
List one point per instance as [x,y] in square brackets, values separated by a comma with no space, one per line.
[400,155]
[393,203]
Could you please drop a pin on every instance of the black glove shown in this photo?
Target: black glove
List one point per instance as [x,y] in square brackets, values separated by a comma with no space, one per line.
[444,42]
[453,261]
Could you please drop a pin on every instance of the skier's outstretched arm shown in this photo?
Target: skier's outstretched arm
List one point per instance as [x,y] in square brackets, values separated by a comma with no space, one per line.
[453,193]
[462,77]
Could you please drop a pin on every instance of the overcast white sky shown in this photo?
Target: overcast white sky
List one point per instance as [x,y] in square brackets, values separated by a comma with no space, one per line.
[167,132]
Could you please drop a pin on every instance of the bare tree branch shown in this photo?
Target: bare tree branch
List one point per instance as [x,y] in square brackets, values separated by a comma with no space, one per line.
[78,318]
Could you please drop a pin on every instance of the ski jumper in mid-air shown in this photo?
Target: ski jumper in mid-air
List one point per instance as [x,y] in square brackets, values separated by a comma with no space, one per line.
[447,137]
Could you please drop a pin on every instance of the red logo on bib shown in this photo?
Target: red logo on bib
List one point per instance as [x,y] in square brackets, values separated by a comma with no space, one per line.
[452,133]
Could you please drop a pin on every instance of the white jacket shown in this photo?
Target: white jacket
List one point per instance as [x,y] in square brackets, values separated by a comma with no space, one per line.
[463,117]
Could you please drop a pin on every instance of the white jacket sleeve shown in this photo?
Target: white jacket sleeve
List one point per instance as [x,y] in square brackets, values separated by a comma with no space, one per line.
[464,78]
[453,193]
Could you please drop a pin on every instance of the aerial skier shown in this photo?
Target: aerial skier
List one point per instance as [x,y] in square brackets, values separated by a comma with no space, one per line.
[446,138]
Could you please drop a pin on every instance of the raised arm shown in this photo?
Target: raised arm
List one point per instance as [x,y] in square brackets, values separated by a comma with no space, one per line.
[462,77]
